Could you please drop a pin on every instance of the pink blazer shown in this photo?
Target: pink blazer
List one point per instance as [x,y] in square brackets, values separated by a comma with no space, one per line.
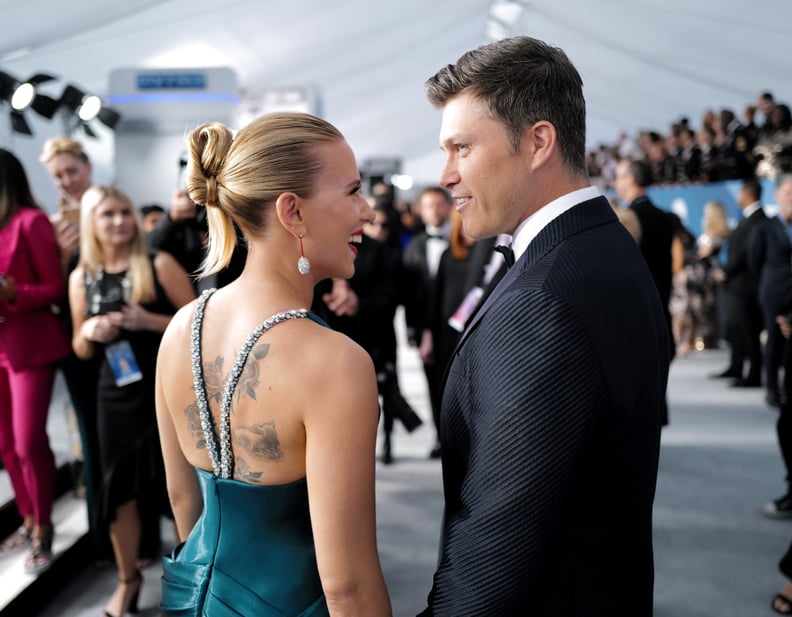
[31,335]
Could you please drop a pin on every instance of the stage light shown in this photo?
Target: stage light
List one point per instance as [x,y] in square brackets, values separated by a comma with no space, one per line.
[89,108]
[21,95]
[86,107]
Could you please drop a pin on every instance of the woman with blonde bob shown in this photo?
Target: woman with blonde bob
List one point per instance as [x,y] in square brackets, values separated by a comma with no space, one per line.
[268,418]
[121,300]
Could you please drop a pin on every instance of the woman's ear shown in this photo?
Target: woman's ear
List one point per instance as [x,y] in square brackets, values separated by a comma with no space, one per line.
[287,209]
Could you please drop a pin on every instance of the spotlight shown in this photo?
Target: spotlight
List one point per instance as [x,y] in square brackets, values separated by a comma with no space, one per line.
[23,94]
[86,107]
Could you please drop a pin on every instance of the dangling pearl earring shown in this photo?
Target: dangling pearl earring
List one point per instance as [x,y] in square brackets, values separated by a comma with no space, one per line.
[303,265]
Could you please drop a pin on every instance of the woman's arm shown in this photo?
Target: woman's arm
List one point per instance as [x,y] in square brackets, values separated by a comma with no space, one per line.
[177,287]
[87,331]
[183,489]
[341,429]
[47,288]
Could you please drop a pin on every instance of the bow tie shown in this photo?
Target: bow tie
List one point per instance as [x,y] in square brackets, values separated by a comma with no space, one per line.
[435,237]
[508,254]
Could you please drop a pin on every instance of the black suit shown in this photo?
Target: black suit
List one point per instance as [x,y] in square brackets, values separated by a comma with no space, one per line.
[417,305]
[551,432]
[657,235]
[375,283]
[770,258]
[455,279]
[743,316]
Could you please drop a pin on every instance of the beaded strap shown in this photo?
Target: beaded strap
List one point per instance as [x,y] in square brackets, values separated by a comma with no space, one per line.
[221,456]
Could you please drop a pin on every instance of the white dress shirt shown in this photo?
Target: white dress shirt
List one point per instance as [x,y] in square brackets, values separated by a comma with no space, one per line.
[530,227]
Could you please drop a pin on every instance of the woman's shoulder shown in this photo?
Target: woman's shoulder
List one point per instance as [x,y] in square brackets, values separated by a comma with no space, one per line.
[181,322]
[30,215]
[332,353]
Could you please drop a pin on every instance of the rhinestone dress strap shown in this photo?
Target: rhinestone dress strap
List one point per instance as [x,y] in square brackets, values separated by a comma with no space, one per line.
[224,467]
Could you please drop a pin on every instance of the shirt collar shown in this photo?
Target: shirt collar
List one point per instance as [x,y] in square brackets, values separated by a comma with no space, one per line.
[530,227]
[749,210]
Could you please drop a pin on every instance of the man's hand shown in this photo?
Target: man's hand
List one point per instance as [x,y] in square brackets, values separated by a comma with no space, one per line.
[182,208]
[426,348]
[785,325]
[341,299]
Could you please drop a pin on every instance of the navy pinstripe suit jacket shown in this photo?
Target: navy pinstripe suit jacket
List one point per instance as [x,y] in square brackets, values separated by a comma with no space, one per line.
[551,432]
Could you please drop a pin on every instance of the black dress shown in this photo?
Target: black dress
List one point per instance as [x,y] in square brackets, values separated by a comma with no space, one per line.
[131,458]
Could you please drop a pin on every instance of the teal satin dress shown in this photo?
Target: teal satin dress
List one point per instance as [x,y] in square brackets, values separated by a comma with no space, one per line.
[251,553]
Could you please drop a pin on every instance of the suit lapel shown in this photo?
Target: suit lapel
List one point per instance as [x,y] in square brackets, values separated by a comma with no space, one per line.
[585,215]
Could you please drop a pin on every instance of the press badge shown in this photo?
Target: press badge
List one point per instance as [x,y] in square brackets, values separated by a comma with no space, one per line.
[122,361]
[460,317]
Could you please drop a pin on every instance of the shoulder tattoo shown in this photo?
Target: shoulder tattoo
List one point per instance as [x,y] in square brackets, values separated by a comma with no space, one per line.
[249,378]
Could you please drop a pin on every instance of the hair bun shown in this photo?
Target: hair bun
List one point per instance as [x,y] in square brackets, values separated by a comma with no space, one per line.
[211,191]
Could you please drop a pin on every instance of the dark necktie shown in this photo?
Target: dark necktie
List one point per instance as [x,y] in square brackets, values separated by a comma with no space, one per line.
[508,254]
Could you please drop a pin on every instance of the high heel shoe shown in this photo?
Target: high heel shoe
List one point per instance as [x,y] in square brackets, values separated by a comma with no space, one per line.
[40,557]
[132,603]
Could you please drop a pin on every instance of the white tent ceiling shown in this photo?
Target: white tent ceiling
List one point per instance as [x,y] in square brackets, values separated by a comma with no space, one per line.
[644,62]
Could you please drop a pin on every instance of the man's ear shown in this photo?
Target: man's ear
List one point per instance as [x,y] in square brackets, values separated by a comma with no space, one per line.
[287,209]
[541,142]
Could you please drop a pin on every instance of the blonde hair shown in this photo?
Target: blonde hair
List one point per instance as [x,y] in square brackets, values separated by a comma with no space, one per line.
[62,145]
[716,219]
[91,256]
[239,178]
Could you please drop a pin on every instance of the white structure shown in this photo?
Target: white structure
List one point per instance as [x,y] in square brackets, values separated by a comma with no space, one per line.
[158,108]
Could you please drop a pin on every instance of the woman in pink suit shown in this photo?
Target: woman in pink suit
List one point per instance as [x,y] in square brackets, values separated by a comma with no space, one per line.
[32,340]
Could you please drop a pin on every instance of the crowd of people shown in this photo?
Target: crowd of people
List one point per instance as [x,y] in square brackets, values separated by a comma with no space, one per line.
[186,337]
[724,146]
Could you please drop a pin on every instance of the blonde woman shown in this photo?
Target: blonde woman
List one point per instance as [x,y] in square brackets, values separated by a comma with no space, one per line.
[121,299]
[70,169]
[715,234]
[282,444]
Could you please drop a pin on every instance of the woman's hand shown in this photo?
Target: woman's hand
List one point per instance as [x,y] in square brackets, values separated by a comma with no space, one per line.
[7,288]
[101,328]
[68,238]
[135,317]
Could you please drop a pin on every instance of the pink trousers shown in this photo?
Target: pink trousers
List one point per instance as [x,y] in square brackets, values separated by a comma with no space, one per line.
[24,443]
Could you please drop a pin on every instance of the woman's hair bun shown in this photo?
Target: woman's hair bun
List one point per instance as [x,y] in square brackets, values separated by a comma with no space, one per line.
[209,146]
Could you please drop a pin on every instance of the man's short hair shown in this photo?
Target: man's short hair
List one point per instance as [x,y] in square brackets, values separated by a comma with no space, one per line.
[753,187]
[521,81]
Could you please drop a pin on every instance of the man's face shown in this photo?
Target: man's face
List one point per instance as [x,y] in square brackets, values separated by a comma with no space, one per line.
[622,180]
[488,180]
[435,209]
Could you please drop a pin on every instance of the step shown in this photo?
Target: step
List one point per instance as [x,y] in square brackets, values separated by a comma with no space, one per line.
[26,594]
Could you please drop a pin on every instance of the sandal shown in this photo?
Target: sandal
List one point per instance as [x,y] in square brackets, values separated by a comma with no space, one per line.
[17,540]
[40,557]
[782,604]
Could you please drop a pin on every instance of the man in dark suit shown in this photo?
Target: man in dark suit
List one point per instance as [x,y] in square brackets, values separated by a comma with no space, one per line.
[657,233]
[421,259]
[743,315]
[363,308]
[770,259]
[554,394]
